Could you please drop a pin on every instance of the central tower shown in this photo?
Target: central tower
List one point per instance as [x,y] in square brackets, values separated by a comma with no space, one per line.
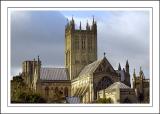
[80,47]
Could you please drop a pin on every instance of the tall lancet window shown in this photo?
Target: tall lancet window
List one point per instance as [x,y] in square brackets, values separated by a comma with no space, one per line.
[66,59]
[90,44]
[76,44]
[83,43]
[46,91]
[56,90]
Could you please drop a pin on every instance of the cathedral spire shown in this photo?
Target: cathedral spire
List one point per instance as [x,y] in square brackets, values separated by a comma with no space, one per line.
[39,61]
[87,26]
[127,66]
[80,26]
[67,23]
[72,18]
[94,26]
[72,21]
[38,58]
[119,67]
[72,24]
[93,20]
[141,72]
[104,54]
[134,73]
[67,20]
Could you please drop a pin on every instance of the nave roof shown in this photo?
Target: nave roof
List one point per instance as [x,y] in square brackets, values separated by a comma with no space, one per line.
[54,74]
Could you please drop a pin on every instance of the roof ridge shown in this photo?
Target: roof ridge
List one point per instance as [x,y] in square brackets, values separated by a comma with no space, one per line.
[55,67]
[88,67]
[119,85]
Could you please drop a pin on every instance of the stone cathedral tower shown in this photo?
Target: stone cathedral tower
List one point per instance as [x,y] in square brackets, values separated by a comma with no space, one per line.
[80,47]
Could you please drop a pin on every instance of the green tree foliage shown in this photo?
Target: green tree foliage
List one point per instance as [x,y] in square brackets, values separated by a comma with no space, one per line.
[31,98]
[21,94]
[17,87]
[104,100]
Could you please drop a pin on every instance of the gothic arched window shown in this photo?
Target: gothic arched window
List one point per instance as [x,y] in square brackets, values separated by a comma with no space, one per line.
[76,44]
[56,90]
[66,91]
[66,58]
[104,83]
[90,44]
[46,91]
[83,43]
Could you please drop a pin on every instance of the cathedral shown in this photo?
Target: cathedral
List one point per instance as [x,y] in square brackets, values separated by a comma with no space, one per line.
[84,76]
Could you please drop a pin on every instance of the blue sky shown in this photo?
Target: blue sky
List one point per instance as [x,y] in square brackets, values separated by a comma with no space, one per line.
[121,34]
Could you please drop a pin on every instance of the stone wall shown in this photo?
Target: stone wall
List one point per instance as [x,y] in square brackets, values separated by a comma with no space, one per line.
[50,90]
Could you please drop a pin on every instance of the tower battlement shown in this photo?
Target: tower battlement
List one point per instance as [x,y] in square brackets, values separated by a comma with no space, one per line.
[29,68]
[71,26]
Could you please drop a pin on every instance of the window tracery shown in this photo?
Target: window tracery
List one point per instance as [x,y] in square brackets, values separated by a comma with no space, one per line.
[104,83]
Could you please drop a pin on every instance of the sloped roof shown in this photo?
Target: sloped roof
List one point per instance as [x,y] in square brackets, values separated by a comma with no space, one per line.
[119,85]
[54,74]
[89,69]
[73,100]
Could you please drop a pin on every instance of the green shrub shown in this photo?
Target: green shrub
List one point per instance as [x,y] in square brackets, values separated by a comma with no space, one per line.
[104,100]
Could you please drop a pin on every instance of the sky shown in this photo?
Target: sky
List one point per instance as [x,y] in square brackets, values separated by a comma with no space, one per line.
[122,35]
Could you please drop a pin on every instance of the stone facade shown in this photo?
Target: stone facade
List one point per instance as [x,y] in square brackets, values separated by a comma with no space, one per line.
[44,82]
[119,93]
[49,89]
[141,87]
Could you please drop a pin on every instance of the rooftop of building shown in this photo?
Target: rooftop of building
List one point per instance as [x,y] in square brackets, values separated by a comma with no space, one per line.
[118,85]
[89,69]
[54,74]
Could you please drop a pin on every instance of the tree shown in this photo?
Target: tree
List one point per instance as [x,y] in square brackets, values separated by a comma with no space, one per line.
[31,98]
[17,87]
[21,94]
[104,100]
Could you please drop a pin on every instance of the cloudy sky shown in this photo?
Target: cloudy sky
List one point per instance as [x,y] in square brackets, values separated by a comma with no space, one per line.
[121,34]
